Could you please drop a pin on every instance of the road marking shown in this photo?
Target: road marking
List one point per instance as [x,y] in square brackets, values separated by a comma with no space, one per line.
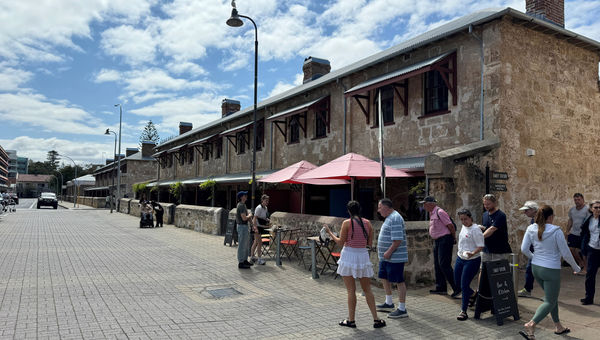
[32,204]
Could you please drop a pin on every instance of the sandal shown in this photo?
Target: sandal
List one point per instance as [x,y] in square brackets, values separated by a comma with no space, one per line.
[378,323]
[564,331]
[527,335]
[348,323]
[462,316]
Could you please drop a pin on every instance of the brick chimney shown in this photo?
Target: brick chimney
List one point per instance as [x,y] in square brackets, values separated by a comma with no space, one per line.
[314,68]
[549,10]
[147,148]
[130,151]
[184,127]
[229,106]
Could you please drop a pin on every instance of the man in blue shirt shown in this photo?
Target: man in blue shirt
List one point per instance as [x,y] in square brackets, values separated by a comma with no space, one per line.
[393,254]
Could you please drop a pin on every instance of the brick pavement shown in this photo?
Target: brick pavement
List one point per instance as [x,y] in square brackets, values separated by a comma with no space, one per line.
[75,274]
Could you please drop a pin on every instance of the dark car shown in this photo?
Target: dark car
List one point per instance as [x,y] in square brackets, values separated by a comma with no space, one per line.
[47,199]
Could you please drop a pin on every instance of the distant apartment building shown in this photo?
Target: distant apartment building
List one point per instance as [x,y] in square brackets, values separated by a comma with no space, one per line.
[22,165]
[4,185]
[12,163]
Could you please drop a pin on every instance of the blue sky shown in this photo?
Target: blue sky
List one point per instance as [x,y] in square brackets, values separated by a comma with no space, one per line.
[65,63]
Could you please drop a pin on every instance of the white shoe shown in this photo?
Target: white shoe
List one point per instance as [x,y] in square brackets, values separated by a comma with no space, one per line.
[261,261]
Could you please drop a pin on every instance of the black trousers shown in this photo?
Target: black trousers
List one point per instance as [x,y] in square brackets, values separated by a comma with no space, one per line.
[593,262]
[159,219]
[442,255]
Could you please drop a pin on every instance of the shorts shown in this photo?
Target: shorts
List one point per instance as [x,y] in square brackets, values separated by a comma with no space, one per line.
[574,241]
[393,272]
[487,257]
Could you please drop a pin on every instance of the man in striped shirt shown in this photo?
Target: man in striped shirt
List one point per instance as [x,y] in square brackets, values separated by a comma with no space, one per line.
[393,254]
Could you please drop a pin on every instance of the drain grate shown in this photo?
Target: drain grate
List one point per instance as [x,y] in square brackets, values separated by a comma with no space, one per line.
[223,292]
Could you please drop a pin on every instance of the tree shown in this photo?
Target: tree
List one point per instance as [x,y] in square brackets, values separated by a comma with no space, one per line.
[149,134]
[53,158]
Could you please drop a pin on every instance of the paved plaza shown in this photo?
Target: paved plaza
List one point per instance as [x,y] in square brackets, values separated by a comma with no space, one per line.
[86,273]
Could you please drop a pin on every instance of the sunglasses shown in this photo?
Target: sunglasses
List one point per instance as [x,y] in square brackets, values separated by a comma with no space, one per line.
[595,207]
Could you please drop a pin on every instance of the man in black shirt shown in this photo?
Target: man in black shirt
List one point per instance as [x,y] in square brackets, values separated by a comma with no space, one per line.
[495,231]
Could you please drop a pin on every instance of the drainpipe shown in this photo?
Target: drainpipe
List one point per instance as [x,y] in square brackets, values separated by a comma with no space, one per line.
[345,113]
[271,146]
[481,96]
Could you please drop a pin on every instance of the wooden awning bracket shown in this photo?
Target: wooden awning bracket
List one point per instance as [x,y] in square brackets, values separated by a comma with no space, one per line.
[367,111]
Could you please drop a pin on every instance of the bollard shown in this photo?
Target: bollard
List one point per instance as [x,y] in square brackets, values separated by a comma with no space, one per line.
[515,273]
[278,254]
[313,261]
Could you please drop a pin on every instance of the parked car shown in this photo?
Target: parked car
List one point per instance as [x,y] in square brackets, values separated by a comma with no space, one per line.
[47,199]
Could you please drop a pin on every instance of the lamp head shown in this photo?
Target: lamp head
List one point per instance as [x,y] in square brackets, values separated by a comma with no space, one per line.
[117,105]
[107,132]
[234,20]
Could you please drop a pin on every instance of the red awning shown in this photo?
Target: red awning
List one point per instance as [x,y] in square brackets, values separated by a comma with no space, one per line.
[292,172]
[350,166]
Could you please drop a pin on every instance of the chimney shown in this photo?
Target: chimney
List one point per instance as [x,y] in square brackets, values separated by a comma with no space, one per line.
[130,151]
[548,10]
[314,68]
[147,148]
[229,106]
[109,160]
[184,127]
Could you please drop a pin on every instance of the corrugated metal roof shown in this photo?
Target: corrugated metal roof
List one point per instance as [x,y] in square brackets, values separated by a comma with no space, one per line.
[202,140]
[235,129]
[296,109]
[448,29]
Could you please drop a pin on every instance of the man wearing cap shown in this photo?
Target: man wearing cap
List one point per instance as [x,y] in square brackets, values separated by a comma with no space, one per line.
[577,215]
[442,231]
[242,216]
[530,208]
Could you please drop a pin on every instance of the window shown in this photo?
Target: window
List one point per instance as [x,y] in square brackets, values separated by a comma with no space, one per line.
[436,93]
[387,106]
[169,160]
[321,115]
[240,138]
[206,151]
[182,154]
[260,134]
[162,160]
[218,147]
[294,129]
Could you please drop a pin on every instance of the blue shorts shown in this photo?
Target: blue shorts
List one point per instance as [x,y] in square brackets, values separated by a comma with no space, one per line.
[574,241]
[393,272]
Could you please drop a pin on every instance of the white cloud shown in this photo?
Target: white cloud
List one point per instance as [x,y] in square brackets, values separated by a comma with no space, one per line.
[11,78]
[106,75]
[282,86]
[134,45]
[186,67]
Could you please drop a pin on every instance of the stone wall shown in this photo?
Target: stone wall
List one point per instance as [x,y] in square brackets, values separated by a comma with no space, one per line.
[124,205]
[207,220]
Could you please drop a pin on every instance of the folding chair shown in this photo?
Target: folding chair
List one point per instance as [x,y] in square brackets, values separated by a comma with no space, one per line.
[266,240]
[289,243]
[303,245]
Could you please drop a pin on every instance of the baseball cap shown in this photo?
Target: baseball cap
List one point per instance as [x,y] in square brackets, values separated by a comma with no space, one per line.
[529,205]
[429,199]
[241,193]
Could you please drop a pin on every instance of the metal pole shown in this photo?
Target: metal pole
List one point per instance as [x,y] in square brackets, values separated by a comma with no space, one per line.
[515,274]
[380,115]
[74,181]
[313,260]
[119,160]
[278,253]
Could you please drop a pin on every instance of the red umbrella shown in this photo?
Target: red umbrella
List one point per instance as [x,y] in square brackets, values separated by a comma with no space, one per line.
[291,174]
[351,166]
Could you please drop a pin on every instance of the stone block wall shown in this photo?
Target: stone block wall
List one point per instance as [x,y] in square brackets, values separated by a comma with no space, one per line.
[207,220]
[134,208]
[124,205]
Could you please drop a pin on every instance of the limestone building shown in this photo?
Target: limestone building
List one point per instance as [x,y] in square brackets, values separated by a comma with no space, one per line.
[496,101]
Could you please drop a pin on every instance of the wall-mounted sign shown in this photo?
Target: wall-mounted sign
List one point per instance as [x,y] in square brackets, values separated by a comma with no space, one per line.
[499,175]
[498,187]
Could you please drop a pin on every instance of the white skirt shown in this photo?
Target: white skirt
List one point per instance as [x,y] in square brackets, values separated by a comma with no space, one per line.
[355,262]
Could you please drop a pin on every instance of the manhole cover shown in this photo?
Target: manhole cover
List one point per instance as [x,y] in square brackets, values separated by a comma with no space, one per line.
[222,292]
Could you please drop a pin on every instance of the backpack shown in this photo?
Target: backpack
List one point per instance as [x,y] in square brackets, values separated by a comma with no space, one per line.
[451,220]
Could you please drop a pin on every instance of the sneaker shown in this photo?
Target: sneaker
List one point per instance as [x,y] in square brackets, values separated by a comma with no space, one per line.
[385,306]
[439,292]
[242,265]
[455,294]
[524,293]
[397,314]
[248,263]
[261,262]
[253,259]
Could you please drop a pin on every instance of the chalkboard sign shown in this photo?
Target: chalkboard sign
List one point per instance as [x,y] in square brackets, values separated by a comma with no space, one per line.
[496,292]
[231,236]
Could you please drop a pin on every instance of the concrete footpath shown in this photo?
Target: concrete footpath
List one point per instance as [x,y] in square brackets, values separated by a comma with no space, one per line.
[81,273]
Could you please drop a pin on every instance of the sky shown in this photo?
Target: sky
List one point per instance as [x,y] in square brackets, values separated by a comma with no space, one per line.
[64,64]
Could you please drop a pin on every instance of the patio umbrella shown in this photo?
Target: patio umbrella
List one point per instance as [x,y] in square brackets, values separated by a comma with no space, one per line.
[351,166]
[291,173]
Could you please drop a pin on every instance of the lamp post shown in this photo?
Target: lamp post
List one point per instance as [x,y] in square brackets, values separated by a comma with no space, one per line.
[74,180]
[61,183]
[119,155]
[112,203]
[235,21]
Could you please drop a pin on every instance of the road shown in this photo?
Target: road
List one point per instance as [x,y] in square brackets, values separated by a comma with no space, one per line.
[90,274]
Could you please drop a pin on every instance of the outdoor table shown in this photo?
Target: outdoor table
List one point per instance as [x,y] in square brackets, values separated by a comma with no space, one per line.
[316,250]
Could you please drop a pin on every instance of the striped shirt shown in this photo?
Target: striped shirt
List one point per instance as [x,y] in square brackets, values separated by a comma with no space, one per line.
[357,238]
[393,230]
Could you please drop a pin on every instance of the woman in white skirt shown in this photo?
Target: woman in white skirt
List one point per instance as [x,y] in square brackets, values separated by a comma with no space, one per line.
[354,262]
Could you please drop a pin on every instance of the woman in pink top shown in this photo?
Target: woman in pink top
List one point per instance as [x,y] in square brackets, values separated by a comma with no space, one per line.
[354,262]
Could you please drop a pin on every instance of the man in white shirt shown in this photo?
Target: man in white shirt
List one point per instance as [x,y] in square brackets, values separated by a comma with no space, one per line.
[590,234]
[577,215]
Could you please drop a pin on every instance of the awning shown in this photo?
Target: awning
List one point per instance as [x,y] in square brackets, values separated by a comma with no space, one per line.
[228,178]
[158,154]
[296,109]
[161,184]
[396,76]
[95,188]
[175,149]
[235,129]
[409,164]
[203,140]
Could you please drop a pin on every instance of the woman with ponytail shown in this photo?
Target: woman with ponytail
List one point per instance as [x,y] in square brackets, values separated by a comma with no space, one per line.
[354,262]
[549,244]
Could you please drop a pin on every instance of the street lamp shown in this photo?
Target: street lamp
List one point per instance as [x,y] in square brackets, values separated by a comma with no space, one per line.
[235,21]
[112,203]
[61,183]
[119,160]
[74,180]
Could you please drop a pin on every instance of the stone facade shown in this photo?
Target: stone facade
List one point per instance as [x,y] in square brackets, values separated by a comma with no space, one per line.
[207,220]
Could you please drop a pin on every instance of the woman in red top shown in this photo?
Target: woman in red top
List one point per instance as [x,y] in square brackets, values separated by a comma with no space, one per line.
[354,262]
